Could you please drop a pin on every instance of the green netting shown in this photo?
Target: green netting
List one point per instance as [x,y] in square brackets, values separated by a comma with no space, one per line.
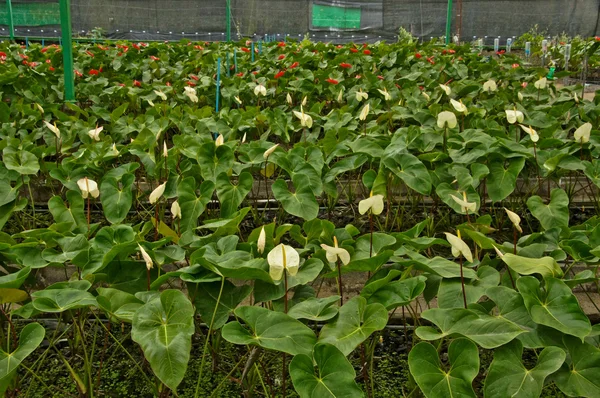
[335,17]
[31,14]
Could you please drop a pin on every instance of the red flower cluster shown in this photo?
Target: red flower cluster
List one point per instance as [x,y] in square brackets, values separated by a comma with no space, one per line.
[345,65]
[199,47]
[245,49]
[281,44]
[78,74]
[137,83]
[191,84]
[294,65]
[2,56]
[418,55]
[94,72]
[524,84]
[194,77]
[282,56]
[43,50]
[241,74]
[153,58]
[515,66]
[279,74]
[353,50]
[91,54]
[367,52]
[430,60]
[332,81]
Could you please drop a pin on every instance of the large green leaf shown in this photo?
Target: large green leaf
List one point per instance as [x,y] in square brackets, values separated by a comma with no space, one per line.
[502,179]
[59,300]
[315,309]
[118,304]
[398,293]
[487,331]
[206,295]
[214,160]
[545,266]
[334,376]
[301,203]
[117,198]
[23,162]
[192,206]
[553,214]
[355,322]
[437,382]
[410,170]
[231,195]
[271,330]
[15,280]
[163,327]
[508,376]
[555,306]
[450,292]
[30,338]
[72,214]
[580,375]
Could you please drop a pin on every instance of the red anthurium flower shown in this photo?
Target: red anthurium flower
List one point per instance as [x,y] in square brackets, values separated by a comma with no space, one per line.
[144,44]
[255,72]
[94,72]
[51,69]
[91,54]
[77,73]
[524,84]
[43,50]
[338,46]
[353,50]
[380,77]
[562,43]
[48,61]
[191,84]
[241,74]
[135,46]
[100,70]
[367,52]
[597,38]
[2,55]
[194,77]
[345,65]
[137,83]
[430,60]
[23,56]
[122,84]
[245,49]
[421,88]
[281,57]
[281,44]
[451,51]
[515,66]
[444,52]
[279,74]
[332,81]
[153,58]
[501,52]
[199,48]
[365,45]
[418,55]
[358,76]
[168,84]
[294,65]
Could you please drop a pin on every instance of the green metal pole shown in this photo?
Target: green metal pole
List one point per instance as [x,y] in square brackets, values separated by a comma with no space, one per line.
[11,21]
[67,49]
[449,22]
[228,20]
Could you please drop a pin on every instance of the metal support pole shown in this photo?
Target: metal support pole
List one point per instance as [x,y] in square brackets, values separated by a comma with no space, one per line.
[228,19]
[449,22]
[67,49]
[11,21]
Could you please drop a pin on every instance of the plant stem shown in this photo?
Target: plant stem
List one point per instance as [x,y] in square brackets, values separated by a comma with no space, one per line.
[88,214]
[285,310]
[462,282]
[339,267]
[212,320]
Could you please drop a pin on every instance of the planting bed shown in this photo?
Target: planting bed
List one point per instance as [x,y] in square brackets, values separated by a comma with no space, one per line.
[307,220]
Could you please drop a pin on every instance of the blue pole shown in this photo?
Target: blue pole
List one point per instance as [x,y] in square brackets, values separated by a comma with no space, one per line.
[218,83]
[260,47]
[42,42]
[252,51]
[27,43]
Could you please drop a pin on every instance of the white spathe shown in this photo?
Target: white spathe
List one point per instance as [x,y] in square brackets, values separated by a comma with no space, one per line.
[283,257]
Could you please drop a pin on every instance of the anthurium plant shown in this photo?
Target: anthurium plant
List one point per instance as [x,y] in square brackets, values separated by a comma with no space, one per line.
[460,189]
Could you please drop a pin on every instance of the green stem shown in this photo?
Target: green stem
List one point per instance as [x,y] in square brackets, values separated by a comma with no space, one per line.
[208,338]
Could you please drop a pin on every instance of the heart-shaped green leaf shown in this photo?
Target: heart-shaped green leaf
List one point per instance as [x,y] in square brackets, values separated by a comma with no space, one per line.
[206,296]
[30,338]
[580,375]
[553,214]
[315,309]
[117,198]
[231,195]
[301,203]
[545,266]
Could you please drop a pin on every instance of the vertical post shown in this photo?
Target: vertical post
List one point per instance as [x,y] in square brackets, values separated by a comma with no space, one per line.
[11,21]
[252,51]
[235,59]
[228,19]
[449,22]
[67,49]
[218,84]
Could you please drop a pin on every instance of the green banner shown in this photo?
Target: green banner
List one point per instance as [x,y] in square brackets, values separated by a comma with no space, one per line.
[31,14]
[324,16]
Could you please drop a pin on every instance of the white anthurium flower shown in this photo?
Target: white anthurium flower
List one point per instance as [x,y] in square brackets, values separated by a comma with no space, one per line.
[190,92]
[42,109]
[88,187]
[238,100]
[582,134]
[446,89]
[541,84]
[220,140]
[515,219]
[490,86]
[446,118]
[262,241]
[260,90]
[340,97]
[53,128]
[364,113]
[361,95]
[386,95]
[424,94]
[575,98]
[115,150]
[498,252]
[288,98]
[269,151]
[520,96]
[514,116]
[283,258]
[95,133]
[459,247]
[304,100]
[532,133]
[469,207]
[165,150]
[374,203]
[244,138]
[305,120]
[459,106]
[161,95]
[157,193]
[150,103]
[333,253]
[176,210]
[147,258]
